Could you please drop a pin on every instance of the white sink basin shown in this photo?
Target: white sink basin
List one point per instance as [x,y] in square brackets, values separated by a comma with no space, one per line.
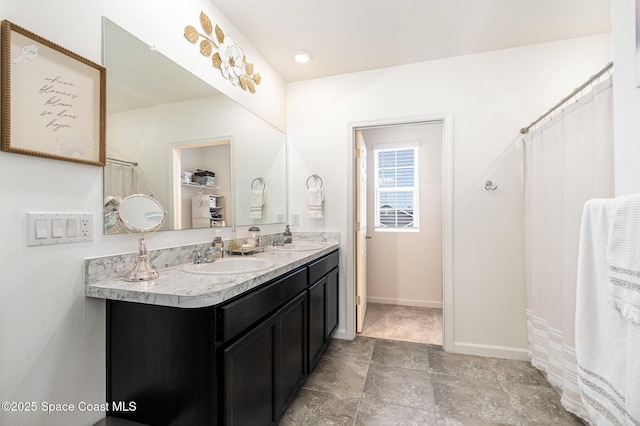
[230,265]
[297,246]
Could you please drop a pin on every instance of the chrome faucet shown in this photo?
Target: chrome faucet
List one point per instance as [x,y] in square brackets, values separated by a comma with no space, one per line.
[278,241]
[206,257]
[198,258]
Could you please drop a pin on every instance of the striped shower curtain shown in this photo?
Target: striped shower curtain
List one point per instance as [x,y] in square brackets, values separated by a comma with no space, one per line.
[568,160]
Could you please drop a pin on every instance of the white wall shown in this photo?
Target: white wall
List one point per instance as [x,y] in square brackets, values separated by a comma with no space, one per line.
[52,338]
[148,135]
[405,268]
[491,96]
[626,97]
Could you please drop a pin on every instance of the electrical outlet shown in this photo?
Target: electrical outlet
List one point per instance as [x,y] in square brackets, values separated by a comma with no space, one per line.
[280,218]
[295,219]
[85,227]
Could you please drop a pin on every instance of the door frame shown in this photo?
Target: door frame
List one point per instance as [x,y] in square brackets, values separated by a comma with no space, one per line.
[446,119]
[176,167]
[361,198]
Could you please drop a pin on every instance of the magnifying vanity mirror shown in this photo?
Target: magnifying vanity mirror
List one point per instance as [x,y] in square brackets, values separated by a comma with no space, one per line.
[141,214]
[164,123]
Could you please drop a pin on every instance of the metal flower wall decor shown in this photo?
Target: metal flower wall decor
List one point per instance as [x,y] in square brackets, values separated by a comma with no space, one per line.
[229,58]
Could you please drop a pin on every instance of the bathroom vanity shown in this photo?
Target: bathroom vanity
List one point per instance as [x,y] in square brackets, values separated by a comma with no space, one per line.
[218,349]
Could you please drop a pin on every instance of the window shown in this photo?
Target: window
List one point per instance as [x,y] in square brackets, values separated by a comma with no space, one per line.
[396,188]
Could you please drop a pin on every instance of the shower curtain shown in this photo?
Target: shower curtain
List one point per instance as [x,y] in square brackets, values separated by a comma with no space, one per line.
[568,160]
[120,179]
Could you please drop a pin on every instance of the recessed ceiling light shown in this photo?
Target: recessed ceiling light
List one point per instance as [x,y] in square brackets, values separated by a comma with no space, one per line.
[302,56]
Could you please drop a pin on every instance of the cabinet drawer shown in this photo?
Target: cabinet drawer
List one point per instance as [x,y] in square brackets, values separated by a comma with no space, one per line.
[242,313]
[321,267]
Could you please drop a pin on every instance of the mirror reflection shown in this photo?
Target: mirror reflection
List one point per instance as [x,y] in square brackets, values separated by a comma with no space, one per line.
[141,214]
[174,137]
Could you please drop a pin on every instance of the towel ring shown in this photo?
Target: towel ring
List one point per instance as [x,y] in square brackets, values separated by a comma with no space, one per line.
[315,177]
[258,179]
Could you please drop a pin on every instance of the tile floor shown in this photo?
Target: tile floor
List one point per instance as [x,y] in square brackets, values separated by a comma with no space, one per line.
[406,323]
[370,381]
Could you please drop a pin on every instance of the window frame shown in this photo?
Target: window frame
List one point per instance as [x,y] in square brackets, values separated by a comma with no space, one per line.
[414,189]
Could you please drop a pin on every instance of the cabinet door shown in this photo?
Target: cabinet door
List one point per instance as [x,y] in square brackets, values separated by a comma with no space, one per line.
[248,378]
[317,322]
[332,302]
[270,358]
[291,354]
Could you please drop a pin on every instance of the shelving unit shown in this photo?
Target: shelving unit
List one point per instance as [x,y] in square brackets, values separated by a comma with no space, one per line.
[218,210]
[197,185]
[217,220]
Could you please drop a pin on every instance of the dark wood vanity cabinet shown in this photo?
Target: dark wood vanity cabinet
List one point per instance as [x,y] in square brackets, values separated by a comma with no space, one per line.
[237,363]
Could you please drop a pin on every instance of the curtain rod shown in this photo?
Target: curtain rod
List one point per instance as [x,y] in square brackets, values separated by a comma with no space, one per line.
[577,90]
[129,163]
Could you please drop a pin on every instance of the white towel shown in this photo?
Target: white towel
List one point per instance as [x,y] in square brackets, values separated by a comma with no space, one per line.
[623,257]
[607,345]
[315,203]
[257,201]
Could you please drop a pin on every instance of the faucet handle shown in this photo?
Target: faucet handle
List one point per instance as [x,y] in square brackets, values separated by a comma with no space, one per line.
[210,254]
[197,256]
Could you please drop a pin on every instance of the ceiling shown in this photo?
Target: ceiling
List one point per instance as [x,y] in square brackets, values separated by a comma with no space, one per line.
[355,35]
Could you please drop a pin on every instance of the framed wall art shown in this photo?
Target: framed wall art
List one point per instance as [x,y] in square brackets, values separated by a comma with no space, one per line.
[53,100]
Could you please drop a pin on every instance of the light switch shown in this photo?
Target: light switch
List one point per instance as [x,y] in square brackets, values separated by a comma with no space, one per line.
[56,228]
[41,229]
[71,228]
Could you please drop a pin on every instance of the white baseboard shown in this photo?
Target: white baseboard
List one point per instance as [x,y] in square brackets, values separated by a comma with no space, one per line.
[405,302]
[341,333]
[507,352]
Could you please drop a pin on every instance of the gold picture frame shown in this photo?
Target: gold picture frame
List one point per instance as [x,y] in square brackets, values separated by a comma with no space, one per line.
[53,100]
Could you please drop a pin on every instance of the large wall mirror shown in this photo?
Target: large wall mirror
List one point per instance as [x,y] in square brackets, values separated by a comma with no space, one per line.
[172,136]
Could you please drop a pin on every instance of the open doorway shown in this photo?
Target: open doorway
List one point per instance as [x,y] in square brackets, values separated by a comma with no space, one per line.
[198,204]
[399,231]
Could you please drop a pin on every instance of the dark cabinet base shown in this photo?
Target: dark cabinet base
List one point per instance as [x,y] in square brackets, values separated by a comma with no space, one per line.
[158,364]
[237,363]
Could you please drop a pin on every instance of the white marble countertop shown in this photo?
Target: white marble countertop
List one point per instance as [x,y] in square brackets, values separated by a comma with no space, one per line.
[178,288]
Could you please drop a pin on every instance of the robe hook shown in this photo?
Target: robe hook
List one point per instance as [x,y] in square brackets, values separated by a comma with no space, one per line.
[489,186]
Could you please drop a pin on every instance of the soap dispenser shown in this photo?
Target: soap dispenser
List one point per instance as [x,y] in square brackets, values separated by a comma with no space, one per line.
[287,235]
[254,237]
[218,244]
